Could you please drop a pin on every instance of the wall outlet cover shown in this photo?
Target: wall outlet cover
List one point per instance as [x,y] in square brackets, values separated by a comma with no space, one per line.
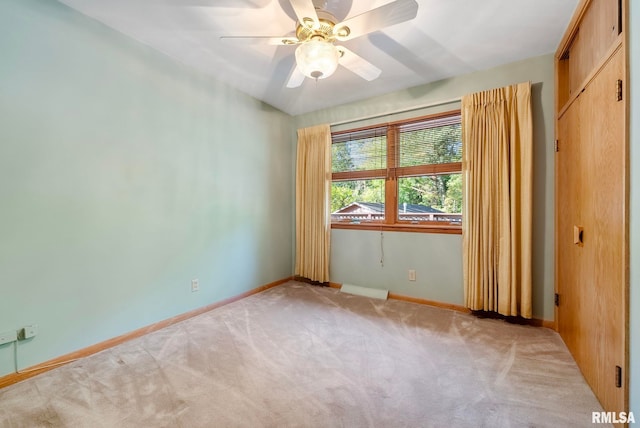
[28,331]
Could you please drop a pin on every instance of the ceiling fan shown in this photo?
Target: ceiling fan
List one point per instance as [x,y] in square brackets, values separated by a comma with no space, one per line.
[317,31]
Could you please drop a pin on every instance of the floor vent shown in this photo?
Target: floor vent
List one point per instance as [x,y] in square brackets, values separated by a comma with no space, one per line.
[364,291]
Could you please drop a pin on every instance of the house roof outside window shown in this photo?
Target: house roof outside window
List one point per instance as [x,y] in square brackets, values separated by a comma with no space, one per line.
[367,211]
[378,208]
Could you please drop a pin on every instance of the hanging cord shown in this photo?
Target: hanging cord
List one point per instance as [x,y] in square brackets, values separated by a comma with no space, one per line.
[383,196]
[381,248]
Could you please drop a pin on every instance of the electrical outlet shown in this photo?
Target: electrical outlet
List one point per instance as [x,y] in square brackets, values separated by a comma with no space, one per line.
[27,332]
[412,274]
[195,285]
[8,337]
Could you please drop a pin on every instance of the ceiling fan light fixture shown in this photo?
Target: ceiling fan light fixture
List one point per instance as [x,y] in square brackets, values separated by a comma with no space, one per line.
[317,59]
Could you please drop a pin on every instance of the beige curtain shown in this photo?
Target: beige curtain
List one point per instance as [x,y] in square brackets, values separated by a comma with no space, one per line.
[498,185]
[313,216]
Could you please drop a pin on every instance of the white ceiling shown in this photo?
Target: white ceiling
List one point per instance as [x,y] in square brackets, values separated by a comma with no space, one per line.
[447,38]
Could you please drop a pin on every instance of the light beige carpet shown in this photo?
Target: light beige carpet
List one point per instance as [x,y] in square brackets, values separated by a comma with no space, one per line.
[304,356]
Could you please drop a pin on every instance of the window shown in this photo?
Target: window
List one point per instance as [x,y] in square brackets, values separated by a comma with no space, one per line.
[402,176]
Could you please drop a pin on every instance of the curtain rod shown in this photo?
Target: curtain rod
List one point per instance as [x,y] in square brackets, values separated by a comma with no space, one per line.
[435,104]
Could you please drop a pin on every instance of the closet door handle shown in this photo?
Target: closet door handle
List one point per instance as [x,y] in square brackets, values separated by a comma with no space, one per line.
[578,235]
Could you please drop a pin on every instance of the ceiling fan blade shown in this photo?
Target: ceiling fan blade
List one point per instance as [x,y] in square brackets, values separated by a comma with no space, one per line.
[261,40]
[306,12]
[296,78]
[376,19]
[356,64]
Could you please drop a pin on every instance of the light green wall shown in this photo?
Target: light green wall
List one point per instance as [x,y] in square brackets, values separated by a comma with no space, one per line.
[124,175]
[372,259]
[634,306]
[355,254]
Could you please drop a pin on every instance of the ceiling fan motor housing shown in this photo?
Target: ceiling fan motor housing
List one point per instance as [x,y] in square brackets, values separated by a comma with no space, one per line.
[309,30]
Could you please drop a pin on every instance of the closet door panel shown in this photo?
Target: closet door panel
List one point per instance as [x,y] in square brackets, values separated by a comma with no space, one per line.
[606,223]
[590,234]
[569,256]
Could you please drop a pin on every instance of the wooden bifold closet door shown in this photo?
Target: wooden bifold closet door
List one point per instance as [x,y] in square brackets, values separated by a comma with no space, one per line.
[591,200]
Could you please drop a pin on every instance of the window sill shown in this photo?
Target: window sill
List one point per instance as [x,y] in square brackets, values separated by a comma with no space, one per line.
[400,227]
